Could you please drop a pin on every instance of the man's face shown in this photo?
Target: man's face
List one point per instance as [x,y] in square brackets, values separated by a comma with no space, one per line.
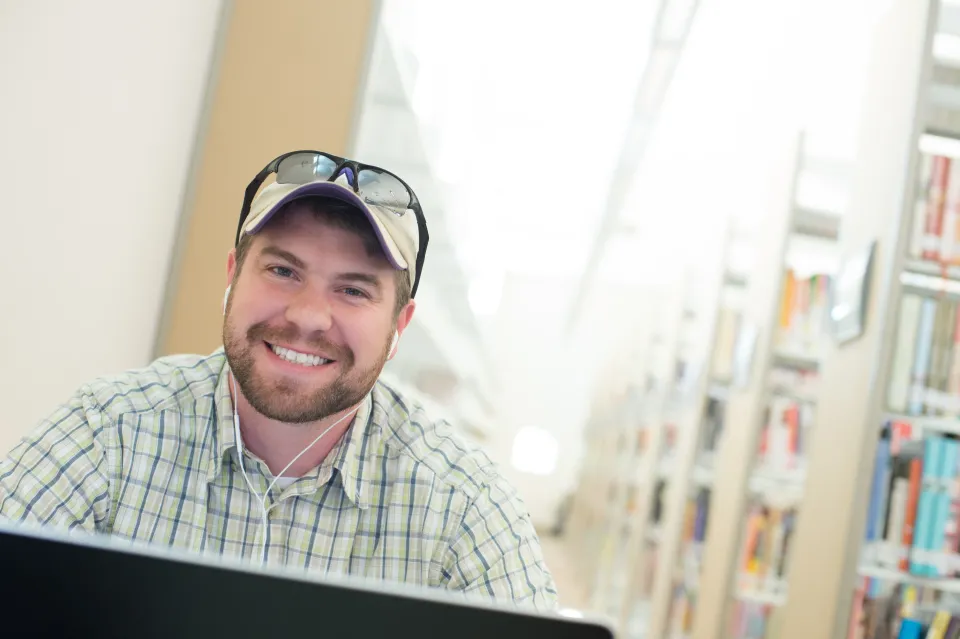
[310,318]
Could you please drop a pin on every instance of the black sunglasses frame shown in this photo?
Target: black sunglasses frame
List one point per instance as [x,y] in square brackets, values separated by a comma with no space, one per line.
[356,167]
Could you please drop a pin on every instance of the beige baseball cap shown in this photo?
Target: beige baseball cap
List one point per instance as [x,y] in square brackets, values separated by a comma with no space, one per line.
[398,230]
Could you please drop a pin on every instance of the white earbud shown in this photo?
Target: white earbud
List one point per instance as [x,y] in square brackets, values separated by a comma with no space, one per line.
[226,296]
[393,344]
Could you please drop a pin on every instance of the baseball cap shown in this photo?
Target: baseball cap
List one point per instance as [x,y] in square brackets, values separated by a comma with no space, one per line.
[400,228]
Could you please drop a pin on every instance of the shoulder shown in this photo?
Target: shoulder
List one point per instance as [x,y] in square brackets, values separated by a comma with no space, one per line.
[172,382]
[423,438]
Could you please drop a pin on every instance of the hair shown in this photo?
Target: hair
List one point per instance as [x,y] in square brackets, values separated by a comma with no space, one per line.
[342,216]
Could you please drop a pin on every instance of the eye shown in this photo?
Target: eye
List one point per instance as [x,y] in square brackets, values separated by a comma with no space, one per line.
[282,271]
[355,292]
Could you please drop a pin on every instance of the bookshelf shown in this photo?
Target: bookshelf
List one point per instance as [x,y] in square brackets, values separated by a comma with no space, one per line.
[881,438]
[627,428]
[720,336]
[911,537]
[707,348]
[775,487]
[771,416]
[641,557]
[744,402]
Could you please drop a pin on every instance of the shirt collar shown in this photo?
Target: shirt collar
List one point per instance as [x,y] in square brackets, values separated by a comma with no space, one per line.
[224,439]
[352,454]
[350,457]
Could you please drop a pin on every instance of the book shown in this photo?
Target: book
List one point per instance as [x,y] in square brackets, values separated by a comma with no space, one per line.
[953,628]
[942,544]
[898,392]
[896,508]
[938,627]
[949,237]
[920,205]
[913,508]
[878,491]
[933,214]
[804,305]
[910,512]
[785,433]
[926,496]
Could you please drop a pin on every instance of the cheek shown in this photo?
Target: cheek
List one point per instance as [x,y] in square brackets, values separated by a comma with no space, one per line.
[255,304]
[366,337]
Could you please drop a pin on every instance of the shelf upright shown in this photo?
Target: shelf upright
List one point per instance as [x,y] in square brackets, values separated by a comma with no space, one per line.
[855,369]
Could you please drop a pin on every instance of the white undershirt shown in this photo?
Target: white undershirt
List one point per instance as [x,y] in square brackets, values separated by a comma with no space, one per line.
[283,482]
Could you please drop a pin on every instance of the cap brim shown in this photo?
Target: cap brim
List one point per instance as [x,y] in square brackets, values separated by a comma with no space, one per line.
[337,192]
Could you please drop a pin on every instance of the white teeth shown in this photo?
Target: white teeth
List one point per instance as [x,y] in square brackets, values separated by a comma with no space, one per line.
[298,358]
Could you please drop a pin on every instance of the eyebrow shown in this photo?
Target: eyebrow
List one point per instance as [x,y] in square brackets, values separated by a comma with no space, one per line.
[365,278]
[284,255]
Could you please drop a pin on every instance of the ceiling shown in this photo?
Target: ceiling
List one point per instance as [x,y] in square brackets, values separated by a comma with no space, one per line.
[513,133]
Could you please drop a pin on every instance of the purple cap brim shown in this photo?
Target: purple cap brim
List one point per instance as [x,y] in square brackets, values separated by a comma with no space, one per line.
[337,192]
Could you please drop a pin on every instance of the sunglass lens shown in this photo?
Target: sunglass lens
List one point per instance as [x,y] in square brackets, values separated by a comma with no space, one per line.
[301,168]
[381,188]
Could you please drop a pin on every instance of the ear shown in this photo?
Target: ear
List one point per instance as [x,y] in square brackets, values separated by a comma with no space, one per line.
[405,316]
[402,321]
[231,265]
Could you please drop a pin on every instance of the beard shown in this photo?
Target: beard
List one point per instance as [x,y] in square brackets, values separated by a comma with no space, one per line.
[287,399]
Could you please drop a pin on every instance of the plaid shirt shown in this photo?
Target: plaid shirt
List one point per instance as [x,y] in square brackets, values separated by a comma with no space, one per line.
[150,455]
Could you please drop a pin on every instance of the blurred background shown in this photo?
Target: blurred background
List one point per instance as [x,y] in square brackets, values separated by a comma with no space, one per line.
[691,278]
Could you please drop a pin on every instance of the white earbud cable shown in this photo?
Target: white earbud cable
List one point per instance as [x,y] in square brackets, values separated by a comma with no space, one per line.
[262,500]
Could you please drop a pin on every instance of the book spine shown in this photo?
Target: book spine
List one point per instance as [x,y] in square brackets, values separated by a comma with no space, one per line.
[919,564]
[789,521]
[897,515]
[950,250]
[703,513]
[953,377]
[900,373]
[878,489]
[910,513]
[949,336]
[942,524]
[921,361]
[920,205]
[936,195]
[953,628]
[910,629]
[936,349]
[792,416]
[787,302]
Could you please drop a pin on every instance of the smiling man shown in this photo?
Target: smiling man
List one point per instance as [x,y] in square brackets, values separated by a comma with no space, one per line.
[284,447]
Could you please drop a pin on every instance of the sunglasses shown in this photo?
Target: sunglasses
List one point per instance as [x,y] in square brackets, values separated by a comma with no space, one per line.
[375,186]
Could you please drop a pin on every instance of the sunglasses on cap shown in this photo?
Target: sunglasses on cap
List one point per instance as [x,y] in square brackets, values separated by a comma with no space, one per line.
[378,190]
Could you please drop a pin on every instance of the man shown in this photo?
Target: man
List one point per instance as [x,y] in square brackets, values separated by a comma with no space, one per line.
[283,447]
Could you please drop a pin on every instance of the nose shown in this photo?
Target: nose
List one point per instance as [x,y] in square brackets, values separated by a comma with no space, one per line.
[311,311]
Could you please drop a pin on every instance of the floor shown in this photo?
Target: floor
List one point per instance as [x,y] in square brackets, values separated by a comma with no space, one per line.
[559,560]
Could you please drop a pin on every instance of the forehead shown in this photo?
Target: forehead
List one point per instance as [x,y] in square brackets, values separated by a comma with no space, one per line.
[303,228]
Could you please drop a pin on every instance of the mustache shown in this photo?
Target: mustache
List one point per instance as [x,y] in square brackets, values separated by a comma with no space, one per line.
[264,332]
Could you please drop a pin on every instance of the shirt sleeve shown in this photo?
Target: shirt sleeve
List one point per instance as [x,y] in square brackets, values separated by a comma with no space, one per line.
[57,474]
[496,552]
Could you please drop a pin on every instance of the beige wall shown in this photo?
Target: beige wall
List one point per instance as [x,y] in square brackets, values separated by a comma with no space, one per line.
[288,77]
[101,101]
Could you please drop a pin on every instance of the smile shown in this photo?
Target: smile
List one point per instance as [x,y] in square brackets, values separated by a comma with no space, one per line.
[295,357]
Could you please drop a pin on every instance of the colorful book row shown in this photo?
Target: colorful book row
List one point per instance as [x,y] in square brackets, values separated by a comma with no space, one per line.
[785,434]
[926,360]
[766,545]
[914,507]
[889,610]
[936,221]
[803,309]
[754,620]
